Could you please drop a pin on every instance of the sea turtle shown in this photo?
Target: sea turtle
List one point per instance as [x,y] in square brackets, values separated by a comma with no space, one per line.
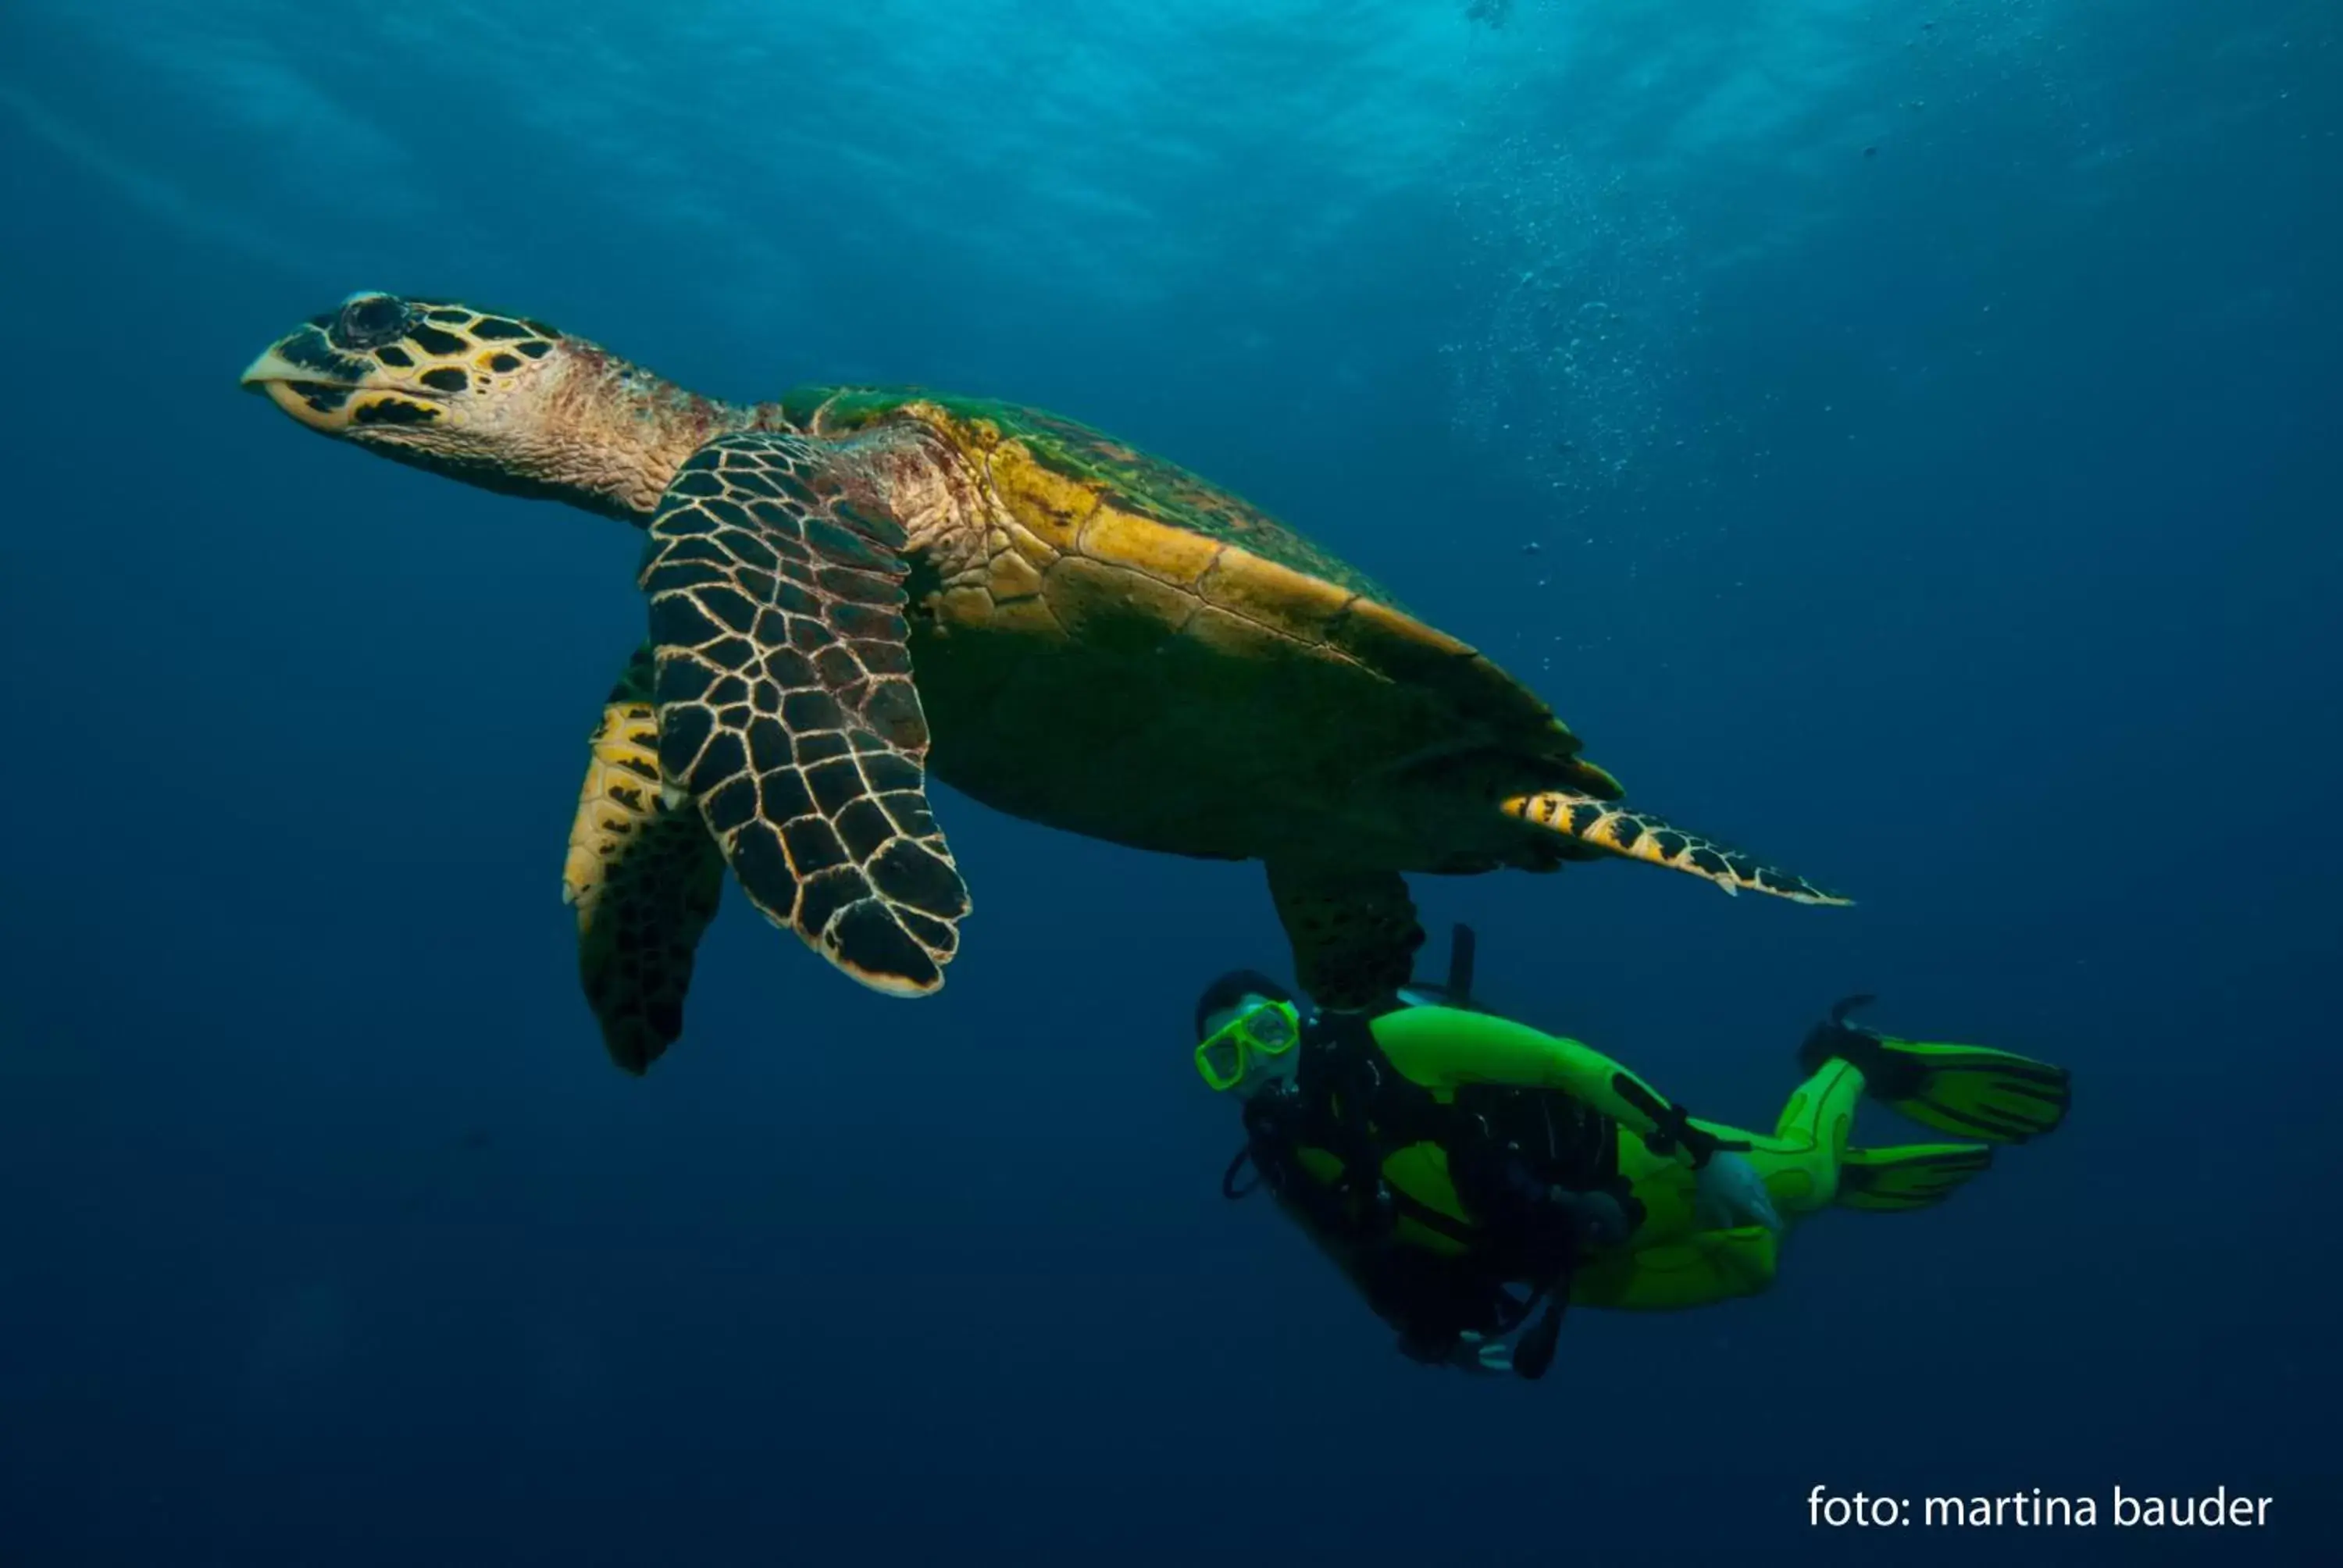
[848,585]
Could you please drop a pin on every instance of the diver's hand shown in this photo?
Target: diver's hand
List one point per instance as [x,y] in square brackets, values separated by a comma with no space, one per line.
[1475,1355]
[1729,1195]
[1468,1351]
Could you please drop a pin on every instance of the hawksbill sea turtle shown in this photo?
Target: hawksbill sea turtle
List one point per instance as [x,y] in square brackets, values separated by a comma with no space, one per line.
[850,586]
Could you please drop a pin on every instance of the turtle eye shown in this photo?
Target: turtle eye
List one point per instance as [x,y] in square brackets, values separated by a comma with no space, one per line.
[371,322]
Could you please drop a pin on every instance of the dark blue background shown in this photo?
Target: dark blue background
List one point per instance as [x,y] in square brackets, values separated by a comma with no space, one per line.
[1954,521]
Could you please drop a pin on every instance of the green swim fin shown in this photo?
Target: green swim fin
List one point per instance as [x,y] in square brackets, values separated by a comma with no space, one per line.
[1966,1091]
[1908,1176]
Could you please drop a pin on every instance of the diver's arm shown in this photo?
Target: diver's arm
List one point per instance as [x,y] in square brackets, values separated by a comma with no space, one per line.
[1447,1048]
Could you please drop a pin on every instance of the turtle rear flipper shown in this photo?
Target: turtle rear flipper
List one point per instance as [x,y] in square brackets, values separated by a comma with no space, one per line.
[644,877]
[1354,933]
[786,707]
[1582,822]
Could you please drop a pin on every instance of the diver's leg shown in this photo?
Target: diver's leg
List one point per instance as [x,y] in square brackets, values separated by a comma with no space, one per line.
[1807,1163]
[1800,1164]
[1673,1262]
[1678,1268]
[1695,1270]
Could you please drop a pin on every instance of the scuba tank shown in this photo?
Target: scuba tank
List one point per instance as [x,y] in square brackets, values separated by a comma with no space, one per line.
[1457,989]
[1536,1322]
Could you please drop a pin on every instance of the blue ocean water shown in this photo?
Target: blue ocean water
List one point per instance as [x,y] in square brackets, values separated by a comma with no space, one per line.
[1895,436]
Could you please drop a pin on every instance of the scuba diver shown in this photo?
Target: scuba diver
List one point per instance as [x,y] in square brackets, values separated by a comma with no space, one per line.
[1473,1176]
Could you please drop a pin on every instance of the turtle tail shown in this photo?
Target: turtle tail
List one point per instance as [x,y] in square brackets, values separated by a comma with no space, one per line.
[1638,836]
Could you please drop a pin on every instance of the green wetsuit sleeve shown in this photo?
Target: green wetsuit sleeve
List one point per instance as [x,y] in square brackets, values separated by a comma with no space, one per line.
[1444,1047]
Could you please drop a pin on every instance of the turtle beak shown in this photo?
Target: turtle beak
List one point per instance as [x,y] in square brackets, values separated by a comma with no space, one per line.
[272,367]
[304,378]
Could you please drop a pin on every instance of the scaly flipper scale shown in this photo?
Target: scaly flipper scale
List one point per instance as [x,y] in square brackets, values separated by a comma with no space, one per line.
[786,707]
[1354,933]
[1638,836]
[644,877]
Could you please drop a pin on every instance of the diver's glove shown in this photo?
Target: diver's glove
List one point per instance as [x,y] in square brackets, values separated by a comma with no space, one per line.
[1466,1351]
[1478,1356]
[1728,1194]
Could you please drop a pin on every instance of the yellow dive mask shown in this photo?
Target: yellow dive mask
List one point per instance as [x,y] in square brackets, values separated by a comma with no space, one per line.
[1272,1029]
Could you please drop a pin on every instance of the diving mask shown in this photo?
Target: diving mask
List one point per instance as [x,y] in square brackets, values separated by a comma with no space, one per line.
[1224,1055]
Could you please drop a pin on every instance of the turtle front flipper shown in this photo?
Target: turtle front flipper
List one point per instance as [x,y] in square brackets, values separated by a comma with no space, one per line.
[786,707]
[1600,825]
[1353,932]
[644,877]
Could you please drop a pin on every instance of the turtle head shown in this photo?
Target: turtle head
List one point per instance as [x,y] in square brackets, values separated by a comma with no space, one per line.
[500,401]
